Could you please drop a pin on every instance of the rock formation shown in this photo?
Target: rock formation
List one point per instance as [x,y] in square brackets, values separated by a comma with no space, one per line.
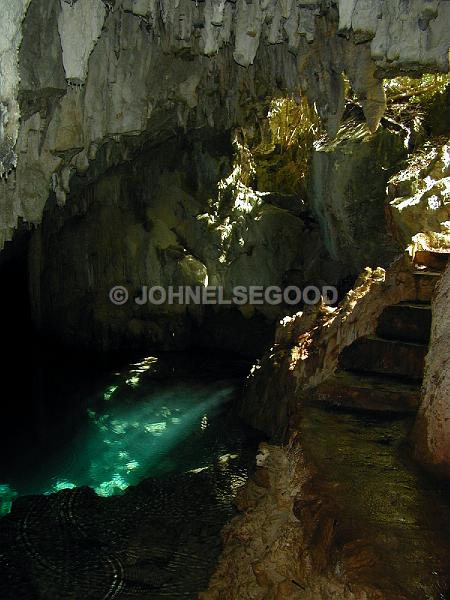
[346,174]
[308,345]
[431,437]
[260,544]
[420,199]
[162,221]
[108,71]
[323,518]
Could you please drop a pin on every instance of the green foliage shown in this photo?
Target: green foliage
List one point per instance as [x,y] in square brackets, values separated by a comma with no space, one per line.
[415,91]
[283,153]
[292,124]
[277,159]
[410,101]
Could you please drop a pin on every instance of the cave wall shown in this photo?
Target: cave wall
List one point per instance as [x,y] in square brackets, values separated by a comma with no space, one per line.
[431,435]
[160,219]
[347,193]
[419,198]
[179,214]
[77,74]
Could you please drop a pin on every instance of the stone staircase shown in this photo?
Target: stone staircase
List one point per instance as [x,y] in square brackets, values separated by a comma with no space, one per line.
[384,371]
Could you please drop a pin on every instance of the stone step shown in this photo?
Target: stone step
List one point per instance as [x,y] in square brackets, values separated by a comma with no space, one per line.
[406,321]
[425,283]
[436,261]
[374,354]
[369,392]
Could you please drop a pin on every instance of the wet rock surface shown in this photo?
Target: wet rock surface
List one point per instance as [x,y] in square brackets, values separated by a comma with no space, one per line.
[339,512]
[393,524]
[369,392]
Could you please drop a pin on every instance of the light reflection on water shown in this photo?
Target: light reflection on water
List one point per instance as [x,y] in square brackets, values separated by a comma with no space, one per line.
[140,426]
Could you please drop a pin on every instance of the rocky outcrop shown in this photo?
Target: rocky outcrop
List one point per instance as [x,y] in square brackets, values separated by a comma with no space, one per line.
[308,345]
[172,217]
[269,552]
[334,514]
[110,70]
[419,200]
[432,432]
[347,182]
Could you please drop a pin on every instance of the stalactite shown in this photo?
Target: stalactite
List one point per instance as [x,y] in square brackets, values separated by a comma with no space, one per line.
[127,61]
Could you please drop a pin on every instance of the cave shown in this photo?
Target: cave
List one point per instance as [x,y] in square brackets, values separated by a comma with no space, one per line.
[224,241]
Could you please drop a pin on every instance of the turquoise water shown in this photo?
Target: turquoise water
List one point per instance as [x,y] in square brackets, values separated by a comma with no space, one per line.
[158,416]
[122,481]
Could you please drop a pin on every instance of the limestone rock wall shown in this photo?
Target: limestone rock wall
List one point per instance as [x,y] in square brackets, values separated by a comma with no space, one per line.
[412,32]
[347,183]
[80,73]
[11,37]
[160,220]
[419,199]
[431,436]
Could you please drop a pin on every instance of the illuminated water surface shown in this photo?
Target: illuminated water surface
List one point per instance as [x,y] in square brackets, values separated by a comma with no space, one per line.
[148,420]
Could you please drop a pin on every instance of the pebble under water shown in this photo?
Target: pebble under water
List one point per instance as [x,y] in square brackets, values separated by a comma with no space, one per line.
[129,501]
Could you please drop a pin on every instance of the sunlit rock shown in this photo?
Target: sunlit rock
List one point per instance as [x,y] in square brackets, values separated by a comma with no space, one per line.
[420,199]
[254,49]
[308,345]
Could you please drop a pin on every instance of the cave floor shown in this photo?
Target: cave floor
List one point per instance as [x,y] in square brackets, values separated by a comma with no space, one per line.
[392,521]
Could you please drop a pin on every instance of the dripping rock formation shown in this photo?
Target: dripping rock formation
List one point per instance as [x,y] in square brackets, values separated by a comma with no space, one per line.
[88,74]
